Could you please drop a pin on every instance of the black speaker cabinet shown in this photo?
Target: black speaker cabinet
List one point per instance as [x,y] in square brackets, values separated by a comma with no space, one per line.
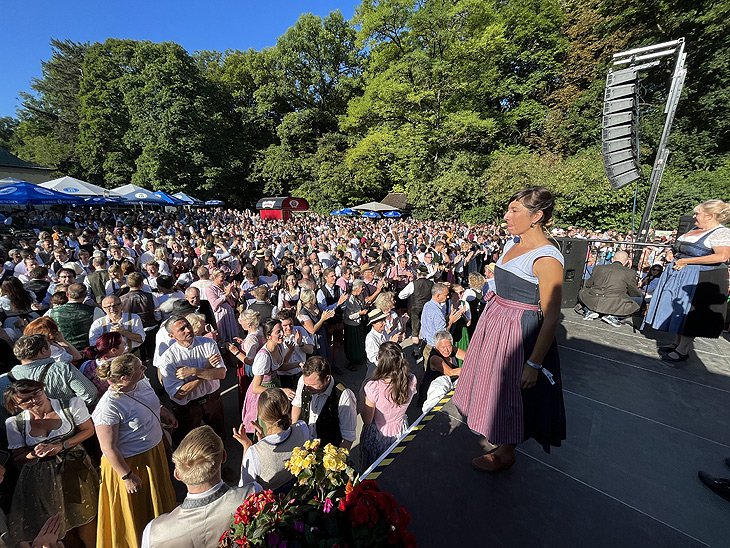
[575,252]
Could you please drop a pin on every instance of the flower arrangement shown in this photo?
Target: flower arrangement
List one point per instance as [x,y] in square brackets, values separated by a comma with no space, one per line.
[327,508]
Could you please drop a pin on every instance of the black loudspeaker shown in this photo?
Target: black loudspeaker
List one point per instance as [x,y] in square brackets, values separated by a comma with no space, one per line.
[618,143]
[686,223]
[575,253]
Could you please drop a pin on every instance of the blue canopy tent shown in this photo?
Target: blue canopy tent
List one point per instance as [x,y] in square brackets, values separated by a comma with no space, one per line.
[371,215]
[16,192]
[190,200]
[133,194]
[214,202]
[169,198]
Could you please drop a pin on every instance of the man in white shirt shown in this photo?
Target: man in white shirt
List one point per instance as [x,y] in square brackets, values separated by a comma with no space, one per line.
[128,325]
[191,373]
[300,340]
[375,337]
[329,409]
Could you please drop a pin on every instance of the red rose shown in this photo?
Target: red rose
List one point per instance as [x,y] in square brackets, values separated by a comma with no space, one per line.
[404,517]
[359,514]
[369,485]
[409,541]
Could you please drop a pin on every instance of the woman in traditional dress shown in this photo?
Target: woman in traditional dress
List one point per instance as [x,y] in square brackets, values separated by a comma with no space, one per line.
[460,328]
[245,350]
[61,349]
[289,295]
[56,474]
[386,399]
[509,387]
[354,330]
[222,298]
[135,479]
[271,357]
[312,319]
[690,299]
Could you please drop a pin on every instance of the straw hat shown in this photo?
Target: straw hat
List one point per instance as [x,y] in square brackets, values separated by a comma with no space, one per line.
[375,315]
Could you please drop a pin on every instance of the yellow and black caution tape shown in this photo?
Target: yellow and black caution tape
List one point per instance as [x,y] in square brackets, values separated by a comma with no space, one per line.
[419,425]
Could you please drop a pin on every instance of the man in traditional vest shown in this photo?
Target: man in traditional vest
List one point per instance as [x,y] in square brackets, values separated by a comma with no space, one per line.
[74,318]
[330,410]
[420,289]
[127,324]
[205,514]
[331,297]
[96,281]
[262,305]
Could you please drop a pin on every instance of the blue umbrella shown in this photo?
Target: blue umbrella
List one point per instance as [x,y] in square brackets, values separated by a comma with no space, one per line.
[391,214]
[16,192]
[171,200]
[371,214]
[94,200]
[339,212]
[348,211]
[214,202]
[192,200]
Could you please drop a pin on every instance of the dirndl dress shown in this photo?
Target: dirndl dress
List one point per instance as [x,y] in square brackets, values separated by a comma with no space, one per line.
[488,392]
[67,483]
[270,379]
[691,301]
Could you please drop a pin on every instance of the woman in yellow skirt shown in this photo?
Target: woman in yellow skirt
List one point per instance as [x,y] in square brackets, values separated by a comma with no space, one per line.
[135,479]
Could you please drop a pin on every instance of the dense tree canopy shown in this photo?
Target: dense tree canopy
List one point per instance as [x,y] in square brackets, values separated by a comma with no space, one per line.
[455,102]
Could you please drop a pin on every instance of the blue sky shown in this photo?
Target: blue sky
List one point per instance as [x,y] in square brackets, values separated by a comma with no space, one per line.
[212,24]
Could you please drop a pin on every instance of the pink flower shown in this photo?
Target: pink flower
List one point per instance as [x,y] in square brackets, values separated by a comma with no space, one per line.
[328,506]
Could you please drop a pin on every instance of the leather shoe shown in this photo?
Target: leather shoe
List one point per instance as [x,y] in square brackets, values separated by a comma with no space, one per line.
[491,463]
[719,486]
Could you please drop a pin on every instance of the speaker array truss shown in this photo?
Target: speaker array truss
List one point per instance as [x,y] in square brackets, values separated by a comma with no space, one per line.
[619,142]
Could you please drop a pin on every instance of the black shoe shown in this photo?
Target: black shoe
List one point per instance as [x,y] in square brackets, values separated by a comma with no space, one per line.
[337,371]
[719,486]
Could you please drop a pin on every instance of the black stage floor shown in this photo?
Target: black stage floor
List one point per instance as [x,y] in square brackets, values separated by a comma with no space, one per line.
[638,431]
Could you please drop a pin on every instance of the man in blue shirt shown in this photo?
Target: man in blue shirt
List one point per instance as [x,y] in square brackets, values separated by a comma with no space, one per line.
[434,317]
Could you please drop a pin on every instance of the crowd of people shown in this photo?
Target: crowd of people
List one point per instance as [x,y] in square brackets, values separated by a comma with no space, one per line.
[119,326]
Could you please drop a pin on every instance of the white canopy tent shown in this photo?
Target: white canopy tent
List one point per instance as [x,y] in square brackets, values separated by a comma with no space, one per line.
[134,194]
[375,206]
[76,187]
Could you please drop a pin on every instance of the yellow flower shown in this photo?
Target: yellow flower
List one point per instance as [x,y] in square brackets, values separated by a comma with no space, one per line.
[333,463]
[309,461]
[311,445]
[330,450]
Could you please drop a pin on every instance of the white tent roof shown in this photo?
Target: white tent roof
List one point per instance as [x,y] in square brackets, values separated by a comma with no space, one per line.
[76,187]
[137,194]
[375,206]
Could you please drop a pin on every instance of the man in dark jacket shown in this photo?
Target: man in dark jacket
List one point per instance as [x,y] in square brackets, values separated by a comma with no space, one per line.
[611,291]
[192,295]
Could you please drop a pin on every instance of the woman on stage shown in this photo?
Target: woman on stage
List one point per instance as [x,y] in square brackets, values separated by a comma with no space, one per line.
[691,297]
[509,387]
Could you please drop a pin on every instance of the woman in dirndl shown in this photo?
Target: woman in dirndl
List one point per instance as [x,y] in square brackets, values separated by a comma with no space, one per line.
[510,388]
[691,297]
[272,356]
[135,479]
[222,297]
[56,474]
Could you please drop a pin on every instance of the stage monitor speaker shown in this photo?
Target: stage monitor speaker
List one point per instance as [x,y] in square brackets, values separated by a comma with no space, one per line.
[575,254]
[618,143]
[686,223]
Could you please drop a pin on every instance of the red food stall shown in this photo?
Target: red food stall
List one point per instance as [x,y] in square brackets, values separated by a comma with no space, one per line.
[281,208]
